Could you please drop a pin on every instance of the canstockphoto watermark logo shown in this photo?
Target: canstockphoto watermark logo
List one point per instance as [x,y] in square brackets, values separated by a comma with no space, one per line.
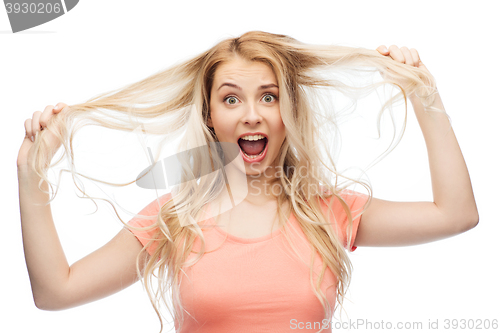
[173,170]
[28,14]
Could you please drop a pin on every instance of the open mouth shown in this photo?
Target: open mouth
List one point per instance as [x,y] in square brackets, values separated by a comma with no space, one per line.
[253,146]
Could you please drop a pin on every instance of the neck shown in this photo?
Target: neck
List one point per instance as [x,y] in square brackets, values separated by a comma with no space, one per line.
[262,188]
[258,189]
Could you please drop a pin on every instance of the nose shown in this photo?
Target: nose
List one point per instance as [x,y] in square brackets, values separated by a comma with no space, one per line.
[252,115]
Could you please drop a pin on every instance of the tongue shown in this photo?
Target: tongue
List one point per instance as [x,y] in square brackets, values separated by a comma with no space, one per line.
[252,147]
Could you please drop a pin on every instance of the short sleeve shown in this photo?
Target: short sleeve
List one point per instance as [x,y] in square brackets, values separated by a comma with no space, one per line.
[355,201]
[152,209]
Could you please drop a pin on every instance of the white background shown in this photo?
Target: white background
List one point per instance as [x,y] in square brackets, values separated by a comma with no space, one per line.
[103,45]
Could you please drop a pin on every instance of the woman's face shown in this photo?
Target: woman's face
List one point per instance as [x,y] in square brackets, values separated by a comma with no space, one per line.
[244,101]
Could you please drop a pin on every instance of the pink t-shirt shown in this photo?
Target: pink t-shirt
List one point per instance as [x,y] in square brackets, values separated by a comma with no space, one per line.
[256,284]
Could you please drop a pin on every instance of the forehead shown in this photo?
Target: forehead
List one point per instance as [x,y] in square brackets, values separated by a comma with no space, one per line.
[241,70]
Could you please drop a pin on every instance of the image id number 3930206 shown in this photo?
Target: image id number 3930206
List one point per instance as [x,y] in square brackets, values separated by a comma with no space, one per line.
[33,8]
[470,324]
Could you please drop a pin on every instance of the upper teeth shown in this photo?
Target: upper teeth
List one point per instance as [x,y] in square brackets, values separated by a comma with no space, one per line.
[253,137]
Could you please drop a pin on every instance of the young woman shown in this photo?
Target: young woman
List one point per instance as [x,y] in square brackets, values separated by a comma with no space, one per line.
[255,240]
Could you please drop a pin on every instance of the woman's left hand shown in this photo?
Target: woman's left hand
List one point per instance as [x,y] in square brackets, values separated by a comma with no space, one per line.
[403,55]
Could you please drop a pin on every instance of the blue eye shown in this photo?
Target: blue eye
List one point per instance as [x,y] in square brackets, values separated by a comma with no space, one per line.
[231,100]
[269,98]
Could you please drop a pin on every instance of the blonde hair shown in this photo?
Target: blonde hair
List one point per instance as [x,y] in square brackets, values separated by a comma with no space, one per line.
[182,94]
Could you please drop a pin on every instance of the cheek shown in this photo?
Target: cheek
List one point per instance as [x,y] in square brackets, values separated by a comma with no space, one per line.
[213,114]
[279,128]
[217,119]
[221,123]
[277,121]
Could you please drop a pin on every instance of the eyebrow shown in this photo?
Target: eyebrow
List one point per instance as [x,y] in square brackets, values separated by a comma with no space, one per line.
[265,86]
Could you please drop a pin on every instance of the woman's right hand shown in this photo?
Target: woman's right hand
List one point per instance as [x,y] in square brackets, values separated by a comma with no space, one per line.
[33,126]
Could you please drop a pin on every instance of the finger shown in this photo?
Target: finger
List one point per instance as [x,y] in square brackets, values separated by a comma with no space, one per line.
[59,107]
[27,127]
[415,56]
[35,123]
[396,54]
[383,50]
[408,56]
[47,113]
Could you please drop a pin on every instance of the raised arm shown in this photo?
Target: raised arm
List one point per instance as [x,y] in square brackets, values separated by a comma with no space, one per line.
[54,284]
[388,223]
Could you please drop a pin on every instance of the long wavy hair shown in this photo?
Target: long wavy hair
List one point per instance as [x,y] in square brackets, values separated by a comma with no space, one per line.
[175,102]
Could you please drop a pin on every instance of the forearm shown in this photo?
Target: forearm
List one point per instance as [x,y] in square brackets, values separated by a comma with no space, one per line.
[47,266]
[451,185]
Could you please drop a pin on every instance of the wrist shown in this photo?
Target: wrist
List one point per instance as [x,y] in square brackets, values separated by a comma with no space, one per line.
[26,174]
[418,103]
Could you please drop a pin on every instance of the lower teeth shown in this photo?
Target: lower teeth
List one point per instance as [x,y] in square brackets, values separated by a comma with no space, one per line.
[253,156]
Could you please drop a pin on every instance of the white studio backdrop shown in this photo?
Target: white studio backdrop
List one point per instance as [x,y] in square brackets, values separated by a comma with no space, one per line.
[100,46]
